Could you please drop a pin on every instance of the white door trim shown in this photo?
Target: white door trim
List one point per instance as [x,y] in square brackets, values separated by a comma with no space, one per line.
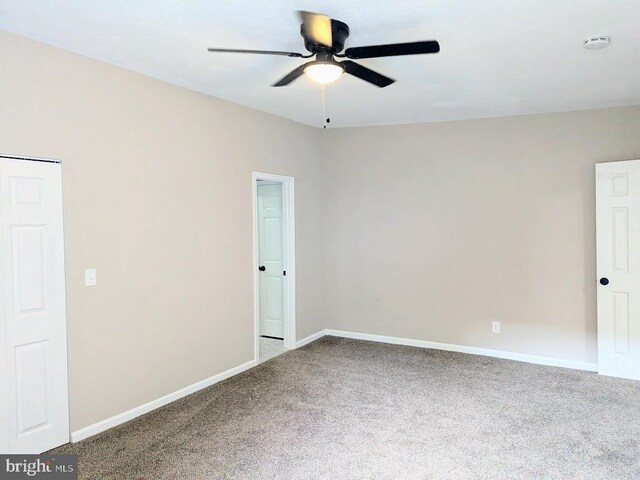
[289,244]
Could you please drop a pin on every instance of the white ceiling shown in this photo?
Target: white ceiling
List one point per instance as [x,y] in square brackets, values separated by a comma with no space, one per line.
[498,57]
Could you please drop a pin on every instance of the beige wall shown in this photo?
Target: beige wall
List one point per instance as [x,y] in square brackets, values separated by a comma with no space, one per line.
[435,230]
[157,192]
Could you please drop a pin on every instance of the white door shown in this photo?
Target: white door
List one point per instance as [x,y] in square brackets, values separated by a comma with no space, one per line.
[33,341]
[618,268]
[271,260]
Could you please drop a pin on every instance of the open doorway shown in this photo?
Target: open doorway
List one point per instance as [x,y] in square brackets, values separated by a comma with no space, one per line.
[274,265]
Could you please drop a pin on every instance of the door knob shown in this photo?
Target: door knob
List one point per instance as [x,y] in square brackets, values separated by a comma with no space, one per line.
[262,268]
[604,281]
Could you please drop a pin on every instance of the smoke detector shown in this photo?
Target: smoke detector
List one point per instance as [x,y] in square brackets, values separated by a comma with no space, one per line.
[597,42]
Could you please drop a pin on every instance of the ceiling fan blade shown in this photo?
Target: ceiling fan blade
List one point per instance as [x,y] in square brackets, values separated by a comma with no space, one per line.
[290,77]
[367,74]
[318,27]
[392,50]
[260,52]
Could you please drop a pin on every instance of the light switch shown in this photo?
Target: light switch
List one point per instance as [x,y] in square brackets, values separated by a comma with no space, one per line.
[90,277]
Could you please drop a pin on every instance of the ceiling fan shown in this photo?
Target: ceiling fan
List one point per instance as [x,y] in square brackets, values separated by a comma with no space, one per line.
[324,37]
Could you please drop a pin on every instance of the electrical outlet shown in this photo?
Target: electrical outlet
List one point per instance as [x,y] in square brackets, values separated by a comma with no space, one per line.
[90,279]
[495,327]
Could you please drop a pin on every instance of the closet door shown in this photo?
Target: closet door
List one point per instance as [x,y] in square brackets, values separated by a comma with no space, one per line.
[32,308]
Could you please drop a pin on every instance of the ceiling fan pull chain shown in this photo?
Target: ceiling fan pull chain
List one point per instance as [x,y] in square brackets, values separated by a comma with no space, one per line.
[325,118]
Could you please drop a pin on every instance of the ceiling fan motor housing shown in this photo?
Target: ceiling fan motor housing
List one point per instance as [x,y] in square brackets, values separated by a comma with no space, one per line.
[339,33]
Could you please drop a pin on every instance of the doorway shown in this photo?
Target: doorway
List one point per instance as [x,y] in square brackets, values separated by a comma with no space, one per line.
[34,407]
[274,265]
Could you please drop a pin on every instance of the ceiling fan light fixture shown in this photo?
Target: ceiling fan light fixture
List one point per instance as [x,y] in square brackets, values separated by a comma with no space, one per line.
[324,72]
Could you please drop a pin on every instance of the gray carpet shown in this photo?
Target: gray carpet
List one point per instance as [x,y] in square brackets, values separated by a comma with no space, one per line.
[348,409]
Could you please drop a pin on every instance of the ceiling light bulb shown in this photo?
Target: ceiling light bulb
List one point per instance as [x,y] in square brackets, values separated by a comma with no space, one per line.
[324,72]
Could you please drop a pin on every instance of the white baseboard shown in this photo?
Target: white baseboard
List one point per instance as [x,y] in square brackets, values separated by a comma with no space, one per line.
[520,357]
[116,420]
[123,417]
[310,338]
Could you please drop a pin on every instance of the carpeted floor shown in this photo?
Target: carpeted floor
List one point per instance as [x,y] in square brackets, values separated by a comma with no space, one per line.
[349,409]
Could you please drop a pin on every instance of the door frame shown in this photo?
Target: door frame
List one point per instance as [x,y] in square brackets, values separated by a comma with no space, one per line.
[289,247]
